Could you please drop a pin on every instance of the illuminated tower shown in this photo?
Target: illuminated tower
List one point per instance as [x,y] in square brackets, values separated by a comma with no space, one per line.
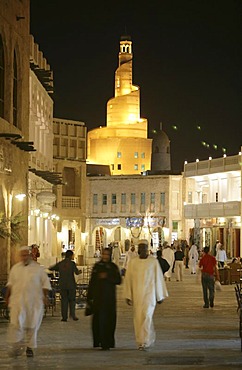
[123,143]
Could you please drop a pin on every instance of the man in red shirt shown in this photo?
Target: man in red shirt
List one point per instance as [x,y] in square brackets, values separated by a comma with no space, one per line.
[208,264]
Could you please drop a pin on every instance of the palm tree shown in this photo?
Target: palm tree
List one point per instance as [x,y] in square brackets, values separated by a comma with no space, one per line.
[11,227]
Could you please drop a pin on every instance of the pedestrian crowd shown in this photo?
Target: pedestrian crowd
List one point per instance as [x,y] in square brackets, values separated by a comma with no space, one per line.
[145,279]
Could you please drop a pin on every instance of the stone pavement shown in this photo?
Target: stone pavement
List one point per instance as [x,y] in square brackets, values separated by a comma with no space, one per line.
[188,336]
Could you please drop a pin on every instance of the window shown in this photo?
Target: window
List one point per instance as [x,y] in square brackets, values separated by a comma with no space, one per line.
[143,155]
[123,198]
[105,200]
[136,167]
[95,199]
[1,78]
[142,198]
[119,167]
[162,199]
[143,167]
[152,198]
[132,198]
[136,155]
[15,90]
[112,167]
[119,154]
[114,199]
[189,197]
[152,202]
[174,225]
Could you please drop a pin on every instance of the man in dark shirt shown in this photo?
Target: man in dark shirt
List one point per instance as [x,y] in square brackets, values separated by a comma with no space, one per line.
[208,264]
[179,263]
[67,284]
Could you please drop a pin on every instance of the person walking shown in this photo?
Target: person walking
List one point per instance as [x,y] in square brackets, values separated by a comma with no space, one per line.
[67,269]
[144,286]
[168,254]
[35,251]
[101,296]
[162,261]
[187,248]
[179,263]
[209,269]
[131,253]
[221,256]
[26,295]
[193,258]
[116,254]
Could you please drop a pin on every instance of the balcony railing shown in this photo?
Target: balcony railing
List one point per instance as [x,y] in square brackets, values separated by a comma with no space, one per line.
[216,165]
[70,202]
[218,209]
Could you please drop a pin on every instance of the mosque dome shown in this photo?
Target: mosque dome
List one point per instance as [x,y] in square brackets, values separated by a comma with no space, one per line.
[161,157]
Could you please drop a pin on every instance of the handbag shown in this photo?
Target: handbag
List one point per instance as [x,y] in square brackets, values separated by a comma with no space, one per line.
[88,309]
[164,264]
[218,285]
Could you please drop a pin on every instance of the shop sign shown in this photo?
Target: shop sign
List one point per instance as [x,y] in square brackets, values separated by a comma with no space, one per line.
[134,221]
[108,221]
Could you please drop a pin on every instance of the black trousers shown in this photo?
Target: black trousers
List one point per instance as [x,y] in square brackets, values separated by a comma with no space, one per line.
[68,299]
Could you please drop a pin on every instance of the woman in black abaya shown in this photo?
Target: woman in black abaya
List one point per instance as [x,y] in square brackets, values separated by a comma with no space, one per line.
[101,296]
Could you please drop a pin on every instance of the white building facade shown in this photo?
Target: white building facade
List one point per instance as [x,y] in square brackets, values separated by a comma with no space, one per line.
[134,207]
[69,153]
[41,179]
[213,202]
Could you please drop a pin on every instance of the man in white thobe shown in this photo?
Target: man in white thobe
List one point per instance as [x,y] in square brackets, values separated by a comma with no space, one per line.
[144,286]
[116,254]
[193,258]
[27,289]
[131,253]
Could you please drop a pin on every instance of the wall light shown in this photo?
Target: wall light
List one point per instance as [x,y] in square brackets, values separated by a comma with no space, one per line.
[20,197]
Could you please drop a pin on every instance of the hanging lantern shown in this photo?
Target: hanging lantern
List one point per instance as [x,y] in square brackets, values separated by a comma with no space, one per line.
[46,208]
[46,197]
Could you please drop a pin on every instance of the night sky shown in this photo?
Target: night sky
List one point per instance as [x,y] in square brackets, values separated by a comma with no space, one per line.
[187,60]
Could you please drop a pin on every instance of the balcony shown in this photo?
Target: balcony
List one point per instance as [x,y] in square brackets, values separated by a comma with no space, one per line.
[209,210]
[70,202]
[216,165]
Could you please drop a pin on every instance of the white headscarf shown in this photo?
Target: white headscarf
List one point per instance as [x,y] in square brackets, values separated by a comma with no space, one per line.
[24,248]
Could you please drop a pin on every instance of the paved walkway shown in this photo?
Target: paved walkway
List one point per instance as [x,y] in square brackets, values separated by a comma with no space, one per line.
[188,336]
